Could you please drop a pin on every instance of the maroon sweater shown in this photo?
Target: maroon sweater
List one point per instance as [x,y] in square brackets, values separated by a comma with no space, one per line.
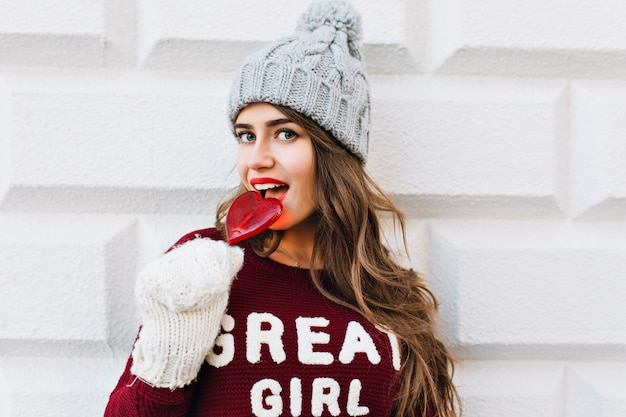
[284,350]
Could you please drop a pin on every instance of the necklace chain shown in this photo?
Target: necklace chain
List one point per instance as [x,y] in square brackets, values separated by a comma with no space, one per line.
[295,262]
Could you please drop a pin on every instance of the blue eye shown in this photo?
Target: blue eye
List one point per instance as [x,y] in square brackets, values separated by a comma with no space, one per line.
[245,137]
[286,134]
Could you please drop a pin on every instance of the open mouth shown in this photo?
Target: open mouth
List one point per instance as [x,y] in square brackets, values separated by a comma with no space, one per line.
[273,190]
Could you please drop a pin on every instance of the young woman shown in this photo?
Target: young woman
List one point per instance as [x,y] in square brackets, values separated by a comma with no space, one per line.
[310,317]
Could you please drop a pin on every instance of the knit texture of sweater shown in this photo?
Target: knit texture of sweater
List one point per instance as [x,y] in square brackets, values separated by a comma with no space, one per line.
[283,350]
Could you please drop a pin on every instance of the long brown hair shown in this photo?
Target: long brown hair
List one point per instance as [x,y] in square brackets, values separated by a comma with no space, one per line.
[361,275]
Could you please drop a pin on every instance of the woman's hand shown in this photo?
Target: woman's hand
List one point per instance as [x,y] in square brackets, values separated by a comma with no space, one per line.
[182,297]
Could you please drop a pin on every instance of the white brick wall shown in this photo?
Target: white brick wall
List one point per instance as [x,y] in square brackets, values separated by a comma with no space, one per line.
[498,129]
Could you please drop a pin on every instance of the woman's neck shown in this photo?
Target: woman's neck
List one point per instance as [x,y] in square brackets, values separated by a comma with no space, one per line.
[296,245]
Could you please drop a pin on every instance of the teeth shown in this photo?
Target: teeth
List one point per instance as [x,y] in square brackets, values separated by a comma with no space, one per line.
[264,187]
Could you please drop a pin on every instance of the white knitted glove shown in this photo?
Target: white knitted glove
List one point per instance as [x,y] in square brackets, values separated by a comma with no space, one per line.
[182,297]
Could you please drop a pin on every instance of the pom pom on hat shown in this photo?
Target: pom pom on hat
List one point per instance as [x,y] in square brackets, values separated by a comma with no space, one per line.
[339,15]
[317,72]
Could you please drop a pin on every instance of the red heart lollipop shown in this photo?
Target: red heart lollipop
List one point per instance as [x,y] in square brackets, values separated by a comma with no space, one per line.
[250,214]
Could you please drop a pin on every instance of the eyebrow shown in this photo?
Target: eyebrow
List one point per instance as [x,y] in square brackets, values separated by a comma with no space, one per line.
[271,123]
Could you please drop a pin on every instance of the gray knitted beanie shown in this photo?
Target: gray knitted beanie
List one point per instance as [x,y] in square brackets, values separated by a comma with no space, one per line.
[317,72]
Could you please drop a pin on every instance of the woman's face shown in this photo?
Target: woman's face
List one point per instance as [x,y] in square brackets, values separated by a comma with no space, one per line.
[276,156]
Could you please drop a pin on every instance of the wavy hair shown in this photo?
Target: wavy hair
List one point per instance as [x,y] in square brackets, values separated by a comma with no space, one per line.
[361,275]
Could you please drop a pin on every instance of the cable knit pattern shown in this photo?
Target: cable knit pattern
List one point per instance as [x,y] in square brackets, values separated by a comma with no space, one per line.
[182,297]
[317,71]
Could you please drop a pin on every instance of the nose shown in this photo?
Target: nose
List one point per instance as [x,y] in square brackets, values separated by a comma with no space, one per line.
[260,155]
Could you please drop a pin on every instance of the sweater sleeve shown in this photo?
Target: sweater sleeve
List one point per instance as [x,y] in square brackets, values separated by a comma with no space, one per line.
[134,398]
